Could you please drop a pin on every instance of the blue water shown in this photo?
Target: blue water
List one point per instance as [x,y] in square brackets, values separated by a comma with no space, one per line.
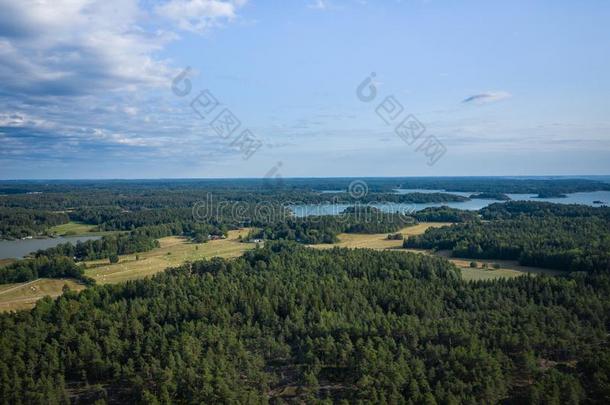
[587,198]
[17,249]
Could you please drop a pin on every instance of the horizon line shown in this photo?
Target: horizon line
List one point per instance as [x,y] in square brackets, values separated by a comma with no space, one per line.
[306,177]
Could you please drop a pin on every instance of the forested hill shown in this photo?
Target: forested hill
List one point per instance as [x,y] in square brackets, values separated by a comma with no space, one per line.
[285,323]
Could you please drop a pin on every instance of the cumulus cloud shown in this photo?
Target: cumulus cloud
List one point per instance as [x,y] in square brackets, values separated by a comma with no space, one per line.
[76,75]
[199,15]
[74,47]
[487,97]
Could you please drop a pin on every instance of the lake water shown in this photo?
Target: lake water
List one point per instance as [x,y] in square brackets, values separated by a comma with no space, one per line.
[17,249]
[304,210]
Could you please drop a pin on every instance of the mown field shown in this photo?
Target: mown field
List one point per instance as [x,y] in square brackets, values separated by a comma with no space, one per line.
[14,297]
[73,228]
[172,252]
[378,240]
[508,268]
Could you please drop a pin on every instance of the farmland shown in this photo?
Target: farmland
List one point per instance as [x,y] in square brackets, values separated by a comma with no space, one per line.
[173,251]
[507,269]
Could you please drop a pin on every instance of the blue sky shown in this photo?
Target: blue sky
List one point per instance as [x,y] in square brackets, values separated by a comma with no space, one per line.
[507,88]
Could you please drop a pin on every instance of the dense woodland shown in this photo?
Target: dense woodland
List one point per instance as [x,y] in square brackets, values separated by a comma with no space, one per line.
[112,245]
[445,214]
[491,196]
[44,266]
[289,323]
[325,228]
[515,209]
[72,189]
[18,223]
[562,237]
[285,323]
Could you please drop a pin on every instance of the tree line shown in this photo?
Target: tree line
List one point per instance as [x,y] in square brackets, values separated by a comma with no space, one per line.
[18,223]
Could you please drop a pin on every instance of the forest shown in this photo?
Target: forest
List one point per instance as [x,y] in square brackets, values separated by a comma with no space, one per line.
[284,323]
[287,323]
[44,266]
[325,228]
[445,214]
[555,236]
[16,223]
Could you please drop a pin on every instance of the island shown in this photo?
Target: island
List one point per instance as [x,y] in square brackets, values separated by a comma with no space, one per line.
[490,196]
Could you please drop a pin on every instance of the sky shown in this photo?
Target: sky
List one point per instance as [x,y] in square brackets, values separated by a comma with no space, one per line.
[299,88]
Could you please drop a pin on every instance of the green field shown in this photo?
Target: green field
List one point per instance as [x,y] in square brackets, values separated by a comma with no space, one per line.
[14,297]
[74,228]
[173,251]
[508,268]
[378,240]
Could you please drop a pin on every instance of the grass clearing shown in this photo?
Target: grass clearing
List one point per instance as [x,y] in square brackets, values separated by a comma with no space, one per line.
[508,268]
[379,241]
[173,251]
[74,228]
[15,297]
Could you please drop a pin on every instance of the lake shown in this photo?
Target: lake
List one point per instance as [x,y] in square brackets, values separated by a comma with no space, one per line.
[17,249]
[586,198]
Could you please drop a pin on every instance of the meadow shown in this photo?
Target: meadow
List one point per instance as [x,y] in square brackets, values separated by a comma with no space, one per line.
[506,269]
[15,297]
[173,251]
[75,228]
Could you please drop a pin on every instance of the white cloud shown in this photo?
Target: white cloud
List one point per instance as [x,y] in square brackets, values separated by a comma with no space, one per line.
[199,15]
[318,5]
[72,47]
[75,47]
[87,74]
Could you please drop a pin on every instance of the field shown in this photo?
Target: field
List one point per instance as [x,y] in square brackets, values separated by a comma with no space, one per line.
[173,252]
[74,228]
[15,297]
[508,268]
[379,240]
